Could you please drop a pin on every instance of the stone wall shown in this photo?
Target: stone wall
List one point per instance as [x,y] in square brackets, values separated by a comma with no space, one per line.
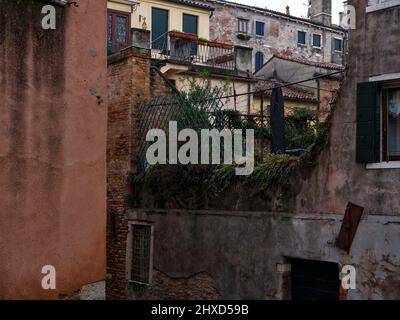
[280,33]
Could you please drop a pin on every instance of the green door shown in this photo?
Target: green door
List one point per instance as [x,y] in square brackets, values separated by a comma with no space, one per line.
[190,25]
[159,29]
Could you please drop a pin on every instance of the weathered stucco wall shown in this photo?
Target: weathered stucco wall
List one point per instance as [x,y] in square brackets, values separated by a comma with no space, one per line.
[280,33]
[339,178]
[240,253]
[52,147]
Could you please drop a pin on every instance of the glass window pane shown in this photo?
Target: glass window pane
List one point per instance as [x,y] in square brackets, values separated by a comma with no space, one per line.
[317,40]
[121,29]
[301,37]
[394,122]
[338,45]
[110,27]
[260,26]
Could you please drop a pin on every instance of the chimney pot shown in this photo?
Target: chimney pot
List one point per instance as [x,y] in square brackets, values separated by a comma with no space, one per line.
[288,10]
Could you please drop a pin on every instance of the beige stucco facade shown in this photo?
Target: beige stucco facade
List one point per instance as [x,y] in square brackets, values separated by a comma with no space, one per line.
[142,14]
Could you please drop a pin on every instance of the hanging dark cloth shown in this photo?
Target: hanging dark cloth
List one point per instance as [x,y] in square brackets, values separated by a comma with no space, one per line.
[277,116]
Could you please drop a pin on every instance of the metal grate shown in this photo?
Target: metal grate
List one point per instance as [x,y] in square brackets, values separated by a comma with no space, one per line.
[140,271]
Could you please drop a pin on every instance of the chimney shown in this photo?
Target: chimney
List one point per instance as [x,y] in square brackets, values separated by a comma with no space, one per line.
[321,11]
[287,10]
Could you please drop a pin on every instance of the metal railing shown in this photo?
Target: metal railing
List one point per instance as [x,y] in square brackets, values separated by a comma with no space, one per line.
[185,48]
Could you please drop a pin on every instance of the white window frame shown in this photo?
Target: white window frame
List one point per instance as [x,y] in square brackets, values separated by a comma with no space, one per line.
[255,29]
[239,20]
[129,253]
[297,38]
[341,40]
[312,40]
[384,164]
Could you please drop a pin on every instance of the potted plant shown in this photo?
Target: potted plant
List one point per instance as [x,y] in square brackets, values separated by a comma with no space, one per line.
[202,41]
[216,44]
[182,35]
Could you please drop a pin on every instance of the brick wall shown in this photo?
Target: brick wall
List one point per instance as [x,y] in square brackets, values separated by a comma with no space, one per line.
[158,85]
[129,83]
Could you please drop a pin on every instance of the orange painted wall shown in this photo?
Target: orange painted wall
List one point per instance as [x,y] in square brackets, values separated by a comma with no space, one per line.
[53,110]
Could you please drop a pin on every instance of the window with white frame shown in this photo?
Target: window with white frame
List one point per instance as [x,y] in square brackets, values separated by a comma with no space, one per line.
[243,25]
[378,121]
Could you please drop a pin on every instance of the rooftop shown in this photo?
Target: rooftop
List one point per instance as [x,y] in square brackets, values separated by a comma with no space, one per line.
[289,92]
[326,65]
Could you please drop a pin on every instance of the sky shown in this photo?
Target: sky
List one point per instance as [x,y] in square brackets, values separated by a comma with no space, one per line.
[298,8]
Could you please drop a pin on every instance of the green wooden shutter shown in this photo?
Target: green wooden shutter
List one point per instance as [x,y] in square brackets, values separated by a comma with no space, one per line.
[159,29]
[368,123]
[190,24]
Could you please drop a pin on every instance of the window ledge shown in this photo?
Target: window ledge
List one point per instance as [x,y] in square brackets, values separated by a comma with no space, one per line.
[383,165]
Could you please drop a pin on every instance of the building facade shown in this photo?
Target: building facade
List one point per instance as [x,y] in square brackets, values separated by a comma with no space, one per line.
[53,89]
[269,32]
[178,33]
[247,243]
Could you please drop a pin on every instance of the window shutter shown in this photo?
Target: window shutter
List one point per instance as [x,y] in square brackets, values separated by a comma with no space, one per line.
[368,123]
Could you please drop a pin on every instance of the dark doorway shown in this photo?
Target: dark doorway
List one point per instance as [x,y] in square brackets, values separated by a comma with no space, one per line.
[159,29]
[314,280]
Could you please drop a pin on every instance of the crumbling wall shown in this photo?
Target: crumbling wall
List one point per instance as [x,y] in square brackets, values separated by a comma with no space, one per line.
[280,34]
[128,84]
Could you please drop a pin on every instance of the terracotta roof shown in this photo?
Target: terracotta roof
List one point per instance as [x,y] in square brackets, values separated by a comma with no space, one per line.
[196,4]
[326,65]
[289,92]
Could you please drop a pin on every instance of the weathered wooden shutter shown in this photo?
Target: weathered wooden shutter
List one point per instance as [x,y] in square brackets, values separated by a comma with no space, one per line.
[368,123]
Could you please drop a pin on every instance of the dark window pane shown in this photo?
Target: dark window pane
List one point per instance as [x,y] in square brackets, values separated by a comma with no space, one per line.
[259,60]
[121,29]
[260,28]
[338,45]
[110,27]
[301,37]
[141,254]
[317,40]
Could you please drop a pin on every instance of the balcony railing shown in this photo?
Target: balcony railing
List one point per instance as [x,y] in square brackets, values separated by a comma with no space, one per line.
[187,48]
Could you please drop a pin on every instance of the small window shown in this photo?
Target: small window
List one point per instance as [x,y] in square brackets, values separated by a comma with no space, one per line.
[259,61]
[141,253]
[118,31]
[260,28]
[391,123]
[301,37]
[243,25]
[317,41]
[338,45]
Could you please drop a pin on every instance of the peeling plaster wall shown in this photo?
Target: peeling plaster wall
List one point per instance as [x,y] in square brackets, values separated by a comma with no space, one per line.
[280,34]
[339,178]
[240,252]
[52,148]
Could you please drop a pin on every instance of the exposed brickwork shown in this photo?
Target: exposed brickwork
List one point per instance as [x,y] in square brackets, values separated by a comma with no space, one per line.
[200,286]
[158,86]
[129,83]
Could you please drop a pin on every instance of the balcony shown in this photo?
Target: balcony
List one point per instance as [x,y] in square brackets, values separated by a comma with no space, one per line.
[183,48]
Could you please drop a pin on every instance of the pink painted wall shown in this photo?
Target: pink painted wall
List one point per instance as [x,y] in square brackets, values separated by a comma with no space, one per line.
[53,102]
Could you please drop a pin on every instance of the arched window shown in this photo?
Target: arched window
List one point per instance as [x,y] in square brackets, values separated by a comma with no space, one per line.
[259,60]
